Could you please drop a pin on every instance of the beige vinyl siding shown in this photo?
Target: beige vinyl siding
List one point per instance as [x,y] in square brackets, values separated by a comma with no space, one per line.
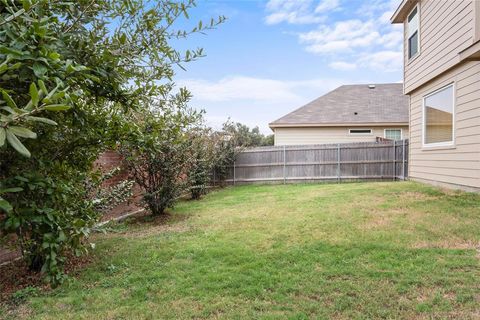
[299,136]
[458,165]
[446,28]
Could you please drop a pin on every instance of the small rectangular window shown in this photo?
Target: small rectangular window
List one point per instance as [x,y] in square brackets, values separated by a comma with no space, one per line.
[438,114]
[413,26]
[360,131]
[413,45]
[393,134]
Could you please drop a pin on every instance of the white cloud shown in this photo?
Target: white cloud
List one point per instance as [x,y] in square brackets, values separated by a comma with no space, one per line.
[240,88]
[387,61]
[298,11]
[368,41]
[327,5]
[342,65]
[342,36]
[254,101]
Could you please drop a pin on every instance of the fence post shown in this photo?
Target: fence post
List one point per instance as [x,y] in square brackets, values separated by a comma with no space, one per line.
[394,160]
[284,166]
[403,160]
[233,172]
[338,162]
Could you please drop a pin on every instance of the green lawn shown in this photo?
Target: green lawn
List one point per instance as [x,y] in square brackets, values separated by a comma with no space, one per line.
[341,251]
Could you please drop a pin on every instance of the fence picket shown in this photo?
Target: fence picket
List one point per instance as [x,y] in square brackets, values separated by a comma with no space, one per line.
[349,161]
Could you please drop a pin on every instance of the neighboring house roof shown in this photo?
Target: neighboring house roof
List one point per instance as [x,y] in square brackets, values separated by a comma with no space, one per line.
[352,105]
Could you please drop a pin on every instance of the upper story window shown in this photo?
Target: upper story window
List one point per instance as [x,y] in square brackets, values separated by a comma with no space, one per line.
[438,117]
[413,33]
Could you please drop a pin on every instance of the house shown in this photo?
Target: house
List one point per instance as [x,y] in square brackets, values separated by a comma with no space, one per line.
[442,80]
[350,113]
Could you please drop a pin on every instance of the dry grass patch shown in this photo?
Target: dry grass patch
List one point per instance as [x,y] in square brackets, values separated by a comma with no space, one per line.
[337,251]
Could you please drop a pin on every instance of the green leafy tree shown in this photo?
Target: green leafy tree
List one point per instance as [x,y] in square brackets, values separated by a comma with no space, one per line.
[73,77]
[246,137]
[158,154]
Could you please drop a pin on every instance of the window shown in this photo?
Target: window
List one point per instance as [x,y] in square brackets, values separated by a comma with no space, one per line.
[360,131]
[393,134]
[413,33]
[438,111]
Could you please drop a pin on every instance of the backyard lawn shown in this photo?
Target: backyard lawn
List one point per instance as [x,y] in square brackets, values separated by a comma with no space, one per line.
[341,251]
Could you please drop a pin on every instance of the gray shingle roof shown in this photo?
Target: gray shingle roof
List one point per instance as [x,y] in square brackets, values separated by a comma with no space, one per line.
[352,104]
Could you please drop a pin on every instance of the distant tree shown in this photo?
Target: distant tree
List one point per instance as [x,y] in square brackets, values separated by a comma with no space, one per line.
[245,137]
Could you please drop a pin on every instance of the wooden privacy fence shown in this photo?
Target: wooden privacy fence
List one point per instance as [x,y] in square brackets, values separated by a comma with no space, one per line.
[387,160]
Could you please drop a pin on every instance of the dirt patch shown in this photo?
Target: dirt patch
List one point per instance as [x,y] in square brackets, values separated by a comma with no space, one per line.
[378,222]
[16,276]
[145,225]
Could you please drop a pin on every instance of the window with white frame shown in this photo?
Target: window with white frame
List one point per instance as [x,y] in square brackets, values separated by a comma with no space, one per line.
[413,33]
[393,134]
[438,117]
[360,131]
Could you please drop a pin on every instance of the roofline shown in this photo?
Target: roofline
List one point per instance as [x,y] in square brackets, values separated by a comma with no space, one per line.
[471,53]
[346,124]
[343,85]
[402,11]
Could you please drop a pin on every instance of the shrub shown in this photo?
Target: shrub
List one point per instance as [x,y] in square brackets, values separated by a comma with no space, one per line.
[158,155]
[201,161]
[50,217]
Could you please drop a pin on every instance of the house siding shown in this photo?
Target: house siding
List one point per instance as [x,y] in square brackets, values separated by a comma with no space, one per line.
[446,28]
[457,166]
[303,136]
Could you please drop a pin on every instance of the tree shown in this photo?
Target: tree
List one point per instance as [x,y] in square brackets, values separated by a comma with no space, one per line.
[246,137]
[158,154]
[73,76]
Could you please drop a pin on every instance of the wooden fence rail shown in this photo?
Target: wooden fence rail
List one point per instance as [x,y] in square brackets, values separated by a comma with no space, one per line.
[387,160]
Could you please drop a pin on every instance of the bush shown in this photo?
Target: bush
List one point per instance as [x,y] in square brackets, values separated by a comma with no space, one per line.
[50,217]
[158,155]
[201,157]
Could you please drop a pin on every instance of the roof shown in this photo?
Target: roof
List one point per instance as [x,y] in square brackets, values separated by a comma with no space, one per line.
[403,10]
[352,105]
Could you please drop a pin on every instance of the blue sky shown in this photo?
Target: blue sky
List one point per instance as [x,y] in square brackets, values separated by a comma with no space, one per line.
[271,57]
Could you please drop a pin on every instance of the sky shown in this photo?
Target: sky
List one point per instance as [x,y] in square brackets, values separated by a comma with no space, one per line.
[271,57]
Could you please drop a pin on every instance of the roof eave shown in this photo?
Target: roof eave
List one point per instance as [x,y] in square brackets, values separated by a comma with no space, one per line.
[349,124]
[402,11]
[471,53]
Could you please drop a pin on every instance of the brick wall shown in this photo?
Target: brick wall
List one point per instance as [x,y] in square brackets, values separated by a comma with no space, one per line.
[105,162]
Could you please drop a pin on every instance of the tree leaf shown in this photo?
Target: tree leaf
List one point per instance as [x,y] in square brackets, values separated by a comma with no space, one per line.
[39,69]
[4,205]
[2,136]
[15,15]
[57,107]
[34,94]
[10,51]
[11,190]
[43,120]
[26,4]
[17,144]
[22,132]
[9,100]
[41,84]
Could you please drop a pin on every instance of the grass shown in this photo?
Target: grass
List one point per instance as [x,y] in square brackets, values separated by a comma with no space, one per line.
[342,251]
